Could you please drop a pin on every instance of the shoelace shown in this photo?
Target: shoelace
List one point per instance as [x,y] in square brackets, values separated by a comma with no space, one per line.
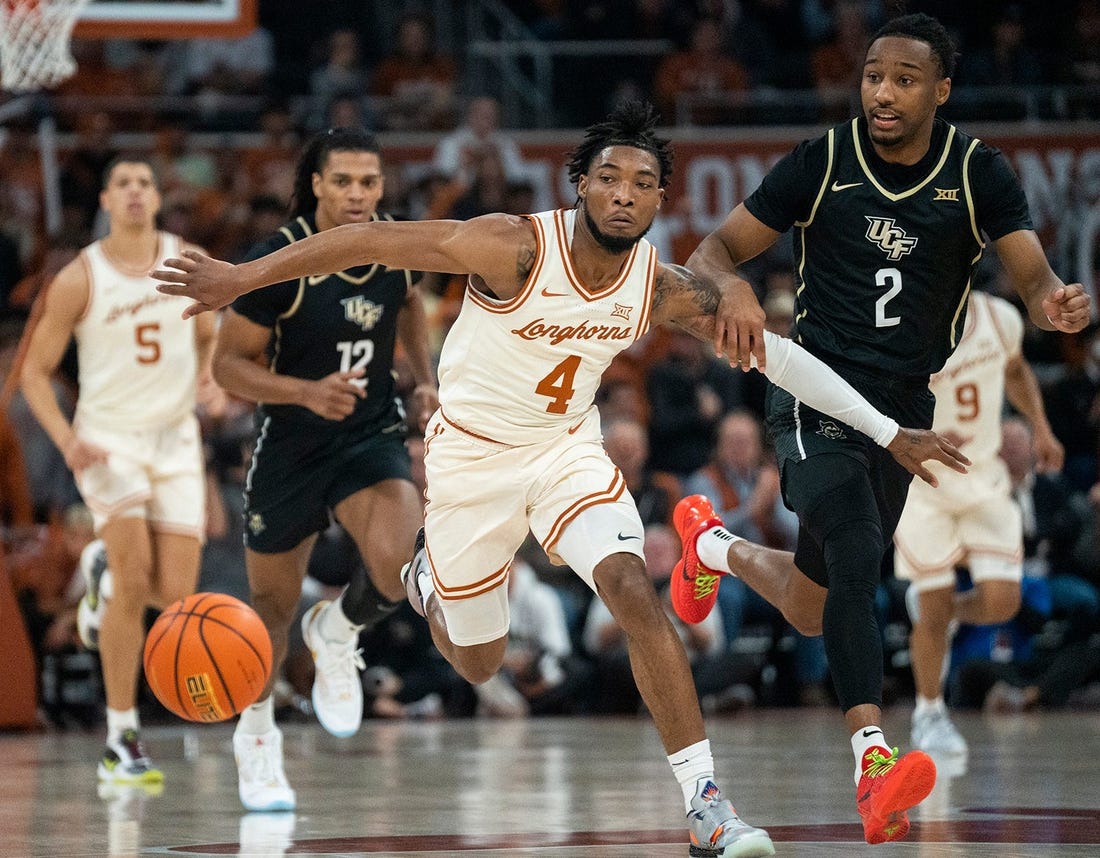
[341,669]
[880,764]
[705,584]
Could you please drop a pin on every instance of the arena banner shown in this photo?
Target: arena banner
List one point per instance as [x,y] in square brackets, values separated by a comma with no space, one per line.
[1060,173]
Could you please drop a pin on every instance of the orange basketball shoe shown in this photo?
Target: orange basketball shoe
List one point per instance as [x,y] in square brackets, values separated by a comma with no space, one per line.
[888,787]
[694,586]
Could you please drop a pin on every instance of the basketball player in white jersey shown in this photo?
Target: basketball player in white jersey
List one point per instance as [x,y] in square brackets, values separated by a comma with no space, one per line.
[516,444]
[134,443]
[971,521]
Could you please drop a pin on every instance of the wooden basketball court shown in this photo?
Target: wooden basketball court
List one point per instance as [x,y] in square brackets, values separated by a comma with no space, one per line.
[572,788]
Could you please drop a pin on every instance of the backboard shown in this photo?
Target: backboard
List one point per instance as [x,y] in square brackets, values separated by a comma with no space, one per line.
[166,19]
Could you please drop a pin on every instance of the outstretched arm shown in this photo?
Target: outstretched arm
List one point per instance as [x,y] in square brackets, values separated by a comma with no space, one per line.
[497,248]
[684,299]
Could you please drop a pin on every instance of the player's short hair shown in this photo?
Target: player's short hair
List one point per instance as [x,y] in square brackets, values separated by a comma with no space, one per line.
[313,158]
[632,123]
[924,28]
[127,158]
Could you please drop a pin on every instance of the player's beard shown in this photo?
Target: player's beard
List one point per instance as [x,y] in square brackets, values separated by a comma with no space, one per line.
[612,243]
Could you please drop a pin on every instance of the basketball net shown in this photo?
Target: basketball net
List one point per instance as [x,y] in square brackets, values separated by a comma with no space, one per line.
[34,42]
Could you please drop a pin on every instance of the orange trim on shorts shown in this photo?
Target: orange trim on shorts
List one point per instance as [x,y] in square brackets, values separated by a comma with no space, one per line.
[467,591]
[609,495]
[108,510]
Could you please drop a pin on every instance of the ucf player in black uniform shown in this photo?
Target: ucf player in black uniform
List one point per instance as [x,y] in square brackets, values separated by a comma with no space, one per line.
[890,214]
[317,354]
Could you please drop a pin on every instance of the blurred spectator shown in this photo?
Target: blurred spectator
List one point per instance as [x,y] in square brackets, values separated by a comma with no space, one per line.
[1053,522]
[1008,60]
[742,481]
[703,76]
[417,81]
[1082,53]
[51,483]
[178,161]
[779,47]
[266,213]
[837,65]
[458,155]
[215,66]
[271,164]
[655,494]
[341,76]
[539,661]
[487,191]
[689,390]
[1072,402]
[82,169]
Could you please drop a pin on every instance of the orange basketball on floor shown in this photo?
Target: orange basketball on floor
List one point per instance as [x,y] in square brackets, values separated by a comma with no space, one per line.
[207,657]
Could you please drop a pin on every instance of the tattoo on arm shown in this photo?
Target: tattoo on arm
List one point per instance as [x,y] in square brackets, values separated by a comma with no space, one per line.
[525,261]
[674,282]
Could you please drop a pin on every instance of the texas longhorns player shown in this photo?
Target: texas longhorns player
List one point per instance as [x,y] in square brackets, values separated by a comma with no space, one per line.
[133,445]
[516,443]
[969,521]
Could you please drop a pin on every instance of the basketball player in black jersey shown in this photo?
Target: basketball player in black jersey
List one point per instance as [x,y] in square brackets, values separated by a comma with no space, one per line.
[317,354]
[891,212]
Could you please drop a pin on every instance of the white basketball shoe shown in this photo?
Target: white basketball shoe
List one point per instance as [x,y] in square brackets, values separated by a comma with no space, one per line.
[337,688]
[262,783]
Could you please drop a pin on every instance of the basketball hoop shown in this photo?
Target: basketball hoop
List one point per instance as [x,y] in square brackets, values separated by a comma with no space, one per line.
[34,42]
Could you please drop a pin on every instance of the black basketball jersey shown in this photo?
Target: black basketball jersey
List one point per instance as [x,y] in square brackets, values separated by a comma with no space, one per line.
[885,253]
[328,323]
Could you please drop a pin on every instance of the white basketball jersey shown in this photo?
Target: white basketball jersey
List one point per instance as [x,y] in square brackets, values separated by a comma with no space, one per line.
[523,370]
[970,388]
[138,361]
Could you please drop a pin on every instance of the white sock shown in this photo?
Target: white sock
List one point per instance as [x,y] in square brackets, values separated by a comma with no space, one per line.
[862,741]
[334,625]
[712,547]
[927,704]
[259,718]
[693,764]
[119,721]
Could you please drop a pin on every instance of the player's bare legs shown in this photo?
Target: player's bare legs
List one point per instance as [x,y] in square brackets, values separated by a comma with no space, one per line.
[122,633]
[774,576]
[176,561]
[121,638]
[383,521]
[275,584]
[657,656]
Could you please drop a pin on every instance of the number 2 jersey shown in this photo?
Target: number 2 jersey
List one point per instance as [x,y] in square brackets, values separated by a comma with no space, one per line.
[329,323]
[137,355]
[524,370]
[884,253]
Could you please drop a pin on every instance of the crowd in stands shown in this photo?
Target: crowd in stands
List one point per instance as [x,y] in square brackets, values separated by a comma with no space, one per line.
[676,420]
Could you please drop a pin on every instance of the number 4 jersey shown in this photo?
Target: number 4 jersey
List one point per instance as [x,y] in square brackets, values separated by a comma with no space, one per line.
[137,355]
[523,370]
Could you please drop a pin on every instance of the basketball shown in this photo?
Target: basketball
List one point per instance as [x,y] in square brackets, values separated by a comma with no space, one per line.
[207,657]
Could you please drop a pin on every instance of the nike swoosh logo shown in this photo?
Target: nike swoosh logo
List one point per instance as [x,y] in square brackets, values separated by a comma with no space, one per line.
[548,294]
[839,187]
[865,796]
[867,733]
[625,538]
